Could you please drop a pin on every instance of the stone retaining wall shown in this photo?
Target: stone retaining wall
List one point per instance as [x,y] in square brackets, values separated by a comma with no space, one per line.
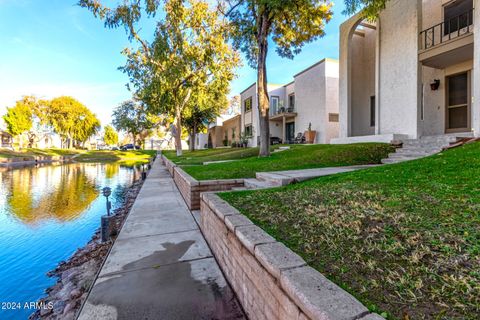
[191,188]
[270,280]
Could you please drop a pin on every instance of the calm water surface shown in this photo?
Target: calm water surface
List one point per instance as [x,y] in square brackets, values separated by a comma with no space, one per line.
[46,213]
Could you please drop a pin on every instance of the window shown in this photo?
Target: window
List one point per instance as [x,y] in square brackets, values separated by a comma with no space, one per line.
[274,104]
[291,102]
[457,15]
[333,117]
[248,130]
[233,134]
[372,111]
[247,104]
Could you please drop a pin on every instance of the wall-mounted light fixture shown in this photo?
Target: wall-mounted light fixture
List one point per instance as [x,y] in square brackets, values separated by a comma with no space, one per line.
[435,85]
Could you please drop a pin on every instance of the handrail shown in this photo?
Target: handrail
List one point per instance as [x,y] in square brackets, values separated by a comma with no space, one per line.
[282,110]
[442,32]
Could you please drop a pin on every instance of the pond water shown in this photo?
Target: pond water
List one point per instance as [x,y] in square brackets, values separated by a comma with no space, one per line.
[46,213]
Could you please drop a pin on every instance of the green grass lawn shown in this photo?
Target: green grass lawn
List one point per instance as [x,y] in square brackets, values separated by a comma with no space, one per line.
[130,156]
[404,238]
[298,157]
[32,152]
[198,157]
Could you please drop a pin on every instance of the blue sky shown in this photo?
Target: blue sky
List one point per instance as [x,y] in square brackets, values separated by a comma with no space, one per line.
[52,48]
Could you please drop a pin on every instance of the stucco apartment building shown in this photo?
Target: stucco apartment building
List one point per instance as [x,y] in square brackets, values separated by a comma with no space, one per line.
[411,73]
[224,131]
[311,98]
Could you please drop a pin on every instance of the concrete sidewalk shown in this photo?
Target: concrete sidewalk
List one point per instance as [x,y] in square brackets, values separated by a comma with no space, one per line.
[282,178]
[160,266]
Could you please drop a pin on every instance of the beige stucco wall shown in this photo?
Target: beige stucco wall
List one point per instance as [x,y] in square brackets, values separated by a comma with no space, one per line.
[228,125]
[331,102]
[476,71]
[363,82]
[316,94]
[399,69]
[252,116]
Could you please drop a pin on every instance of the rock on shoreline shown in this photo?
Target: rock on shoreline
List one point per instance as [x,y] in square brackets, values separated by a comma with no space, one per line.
[76,275]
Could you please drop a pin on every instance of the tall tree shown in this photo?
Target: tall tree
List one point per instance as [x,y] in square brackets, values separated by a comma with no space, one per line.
[110,136]
[370,8]
[289,24]
[197,121]
[25,117]
[18,119]
[189,56]
[133,118]
[71,120]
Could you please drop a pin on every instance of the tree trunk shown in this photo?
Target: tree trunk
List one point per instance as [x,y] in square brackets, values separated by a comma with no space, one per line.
[263,100]
[192,137]
[178,116]
[178,131]
[134,136]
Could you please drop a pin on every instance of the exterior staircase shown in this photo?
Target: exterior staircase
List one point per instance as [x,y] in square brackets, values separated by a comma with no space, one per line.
[423,147]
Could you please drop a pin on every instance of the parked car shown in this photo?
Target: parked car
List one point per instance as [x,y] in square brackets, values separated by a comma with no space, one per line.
[129,147]
[275,140]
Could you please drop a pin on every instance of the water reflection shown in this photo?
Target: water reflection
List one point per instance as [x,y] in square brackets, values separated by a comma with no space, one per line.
[64,193]
[46,213]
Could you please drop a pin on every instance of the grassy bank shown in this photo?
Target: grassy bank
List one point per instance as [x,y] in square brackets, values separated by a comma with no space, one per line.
[32,152]
[130,156]
[298,157]
[198,157]
[404,239]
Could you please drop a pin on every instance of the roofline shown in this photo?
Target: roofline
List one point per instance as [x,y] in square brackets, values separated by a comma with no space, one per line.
[232,118]
[248,88]
[291,82]
[316,64]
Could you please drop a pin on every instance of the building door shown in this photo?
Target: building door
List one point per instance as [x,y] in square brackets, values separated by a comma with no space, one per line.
[458,103]
[290,132]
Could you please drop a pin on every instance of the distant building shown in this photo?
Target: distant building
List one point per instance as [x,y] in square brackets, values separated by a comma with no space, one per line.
[224,131]
[309,101]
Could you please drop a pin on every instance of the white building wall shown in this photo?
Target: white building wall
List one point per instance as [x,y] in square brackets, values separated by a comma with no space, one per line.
[316,95]
[433,121]
[201,141]
[476,71]
[399,71]
[363,82]
[252,116]
[276,126]
[332,104]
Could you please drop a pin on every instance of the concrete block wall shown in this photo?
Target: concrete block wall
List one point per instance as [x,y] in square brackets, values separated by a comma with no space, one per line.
[271,281]
[191,189]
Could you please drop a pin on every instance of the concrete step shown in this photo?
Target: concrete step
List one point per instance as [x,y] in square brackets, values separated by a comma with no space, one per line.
[274,178]
[419,153]
[392,161]
[418,150]
[258,184]
[408,155]
[426,141]
[426,144]
[239,189]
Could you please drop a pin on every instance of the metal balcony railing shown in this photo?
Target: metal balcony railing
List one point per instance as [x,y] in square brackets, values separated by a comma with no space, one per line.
[281,110]
[447,30]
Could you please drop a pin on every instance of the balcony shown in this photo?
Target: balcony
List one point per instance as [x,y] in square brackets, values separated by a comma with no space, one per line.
[447,43]
[282,112]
